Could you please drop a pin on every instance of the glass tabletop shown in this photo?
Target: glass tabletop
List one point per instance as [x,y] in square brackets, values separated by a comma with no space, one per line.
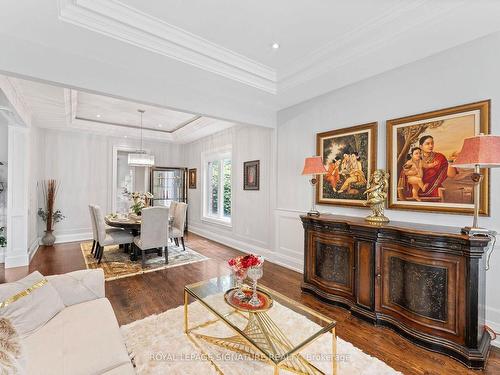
[275,322]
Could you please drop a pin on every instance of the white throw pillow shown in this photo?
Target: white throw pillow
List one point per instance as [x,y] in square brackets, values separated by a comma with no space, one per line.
[29,303]
[11,354]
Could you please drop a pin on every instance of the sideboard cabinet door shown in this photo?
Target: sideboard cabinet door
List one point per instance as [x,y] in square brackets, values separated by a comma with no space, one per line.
[426,293]
[330,263]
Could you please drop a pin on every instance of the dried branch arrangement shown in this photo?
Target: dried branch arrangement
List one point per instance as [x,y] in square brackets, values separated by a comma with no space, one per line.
[50,189]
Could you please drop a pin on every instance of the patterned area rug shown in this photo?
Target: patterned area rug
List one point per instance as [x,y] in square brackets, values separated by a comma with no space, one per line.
[158,345]
[116,264]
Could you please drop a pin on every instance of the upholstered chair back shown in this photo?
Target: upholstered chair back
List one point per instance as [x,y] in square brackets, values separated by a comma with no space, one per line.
[173,207]
[92,221]
[100,224]
[154,227]
[180,216]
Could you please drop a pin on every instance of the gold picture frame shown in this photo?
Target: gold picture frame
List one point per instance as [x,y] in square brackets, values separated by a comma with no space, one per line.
[350,157]
[192,178]
[420,152]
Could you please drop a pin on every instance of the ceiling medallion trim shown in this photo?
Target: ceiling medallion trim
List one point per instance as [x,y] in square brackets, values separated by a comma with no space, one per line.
[117,20]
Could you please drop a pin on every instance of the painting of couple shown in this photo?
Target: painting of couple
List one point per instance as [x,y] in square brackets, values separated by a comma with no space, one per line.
[421,153]
[349,155]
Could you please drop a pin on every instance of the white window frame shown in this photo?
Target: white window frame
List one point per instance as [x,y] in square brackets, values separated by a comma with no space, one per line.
[218,154]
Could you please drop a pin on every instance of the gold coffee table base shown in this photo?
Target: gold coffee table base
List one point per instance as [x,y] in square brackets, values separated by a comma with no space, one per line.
[261,329]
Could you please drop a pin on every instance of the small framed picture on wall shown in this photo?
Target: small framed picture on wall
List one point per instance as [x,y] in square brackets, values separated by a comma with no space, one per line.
[251,175]
[192,178]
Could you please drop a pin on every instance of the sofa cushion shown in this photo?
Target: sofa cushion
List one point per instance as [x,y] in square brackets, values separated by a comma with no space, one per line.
[82,339]
[125,369]
[79,286]
[29,303]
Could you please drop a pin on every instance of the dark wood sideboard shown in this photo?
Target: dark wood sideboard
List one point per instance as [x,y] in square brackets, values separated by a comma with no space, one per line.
[426,282]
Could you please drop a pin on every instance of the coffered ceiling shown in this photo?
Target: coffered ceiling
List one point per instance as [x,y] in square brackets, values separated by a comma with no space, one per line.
[57,107]
[215,58]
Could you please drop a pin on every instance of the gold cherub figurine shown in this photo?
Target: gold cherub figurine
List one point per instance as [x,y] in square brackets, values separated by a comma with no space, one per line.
[376,196]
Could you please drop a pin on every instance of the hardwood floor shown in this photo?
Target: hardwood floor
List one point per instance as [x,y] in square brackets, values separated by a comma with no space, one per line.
[139,296]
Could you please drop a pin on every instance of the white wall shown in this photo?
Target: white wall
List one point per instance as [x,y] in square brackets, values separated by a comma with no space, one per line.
[3,178]
[82,164]
[3,172]
[35,174]
[464,74]
[252,224]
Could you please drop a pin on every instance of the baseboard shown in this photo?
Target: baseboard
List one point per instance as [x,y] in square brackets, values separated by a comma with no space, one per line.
[73,237]
[271,256]
[35,245]
[17,261]
[493,321]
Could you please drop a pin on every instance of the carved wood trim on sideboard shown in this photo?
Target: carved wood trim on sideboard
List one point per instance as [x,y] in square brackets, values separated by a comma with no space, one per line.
[425,282]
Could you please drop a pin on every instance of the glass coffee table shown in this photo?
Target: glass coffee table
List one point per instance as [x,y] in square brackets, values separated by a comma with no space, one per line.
[258,334]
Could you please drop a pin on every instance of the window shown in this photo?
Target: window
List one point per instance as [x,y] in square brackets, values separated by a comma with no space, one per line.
[217,187]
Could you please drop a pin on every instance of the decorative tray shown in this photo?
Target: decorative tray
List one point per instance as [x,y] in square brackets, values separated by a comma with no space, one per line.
[266,302]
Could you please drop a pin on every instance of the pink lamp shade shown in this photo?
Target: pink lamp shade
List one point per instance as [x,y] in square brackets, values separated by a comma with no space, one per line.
[314,165]
[482,150]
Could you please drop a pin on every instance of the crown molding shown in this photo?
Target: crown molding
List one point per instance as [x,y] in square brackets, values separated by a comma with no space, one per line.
[340,61]
[395,23]
[12,93]
[119,21]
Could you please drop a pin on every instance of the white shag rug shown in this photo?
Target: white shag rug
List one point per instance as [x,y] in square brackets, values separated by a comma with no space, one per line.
[159,346]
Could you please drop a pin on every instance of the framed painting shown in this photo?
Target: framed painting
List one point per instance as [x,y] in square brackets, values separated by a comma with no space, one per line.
[192,178]
[350,157]
[251,175]
[421,150]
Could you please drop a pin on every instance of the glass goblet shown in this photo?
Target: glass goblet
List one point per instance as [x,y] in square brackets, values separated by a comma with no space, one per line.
[240,275]
[255,273]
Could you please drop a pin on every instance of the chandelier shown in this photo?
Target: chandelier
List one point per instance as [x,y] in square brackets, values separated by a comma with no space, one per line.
[141,158]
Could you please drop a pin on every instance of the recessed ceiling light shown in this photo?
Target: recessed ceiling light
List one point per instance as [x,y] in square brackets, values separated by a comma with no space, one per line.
[126,137]
[275,45]
[98,116]
[160,125]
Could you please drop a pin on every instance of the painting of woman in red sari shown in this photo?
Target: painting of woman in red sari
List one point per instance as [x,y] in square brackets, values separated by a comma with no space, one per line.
[421,152]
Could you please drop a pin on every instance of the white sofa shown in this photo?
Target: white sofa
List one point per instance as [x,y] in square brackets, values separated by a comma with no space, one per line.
[84,338]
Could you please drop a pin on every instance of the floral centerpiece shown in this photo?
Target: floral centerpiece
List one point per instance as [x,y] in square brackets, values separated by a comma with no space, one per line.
[240,265]
[139,201]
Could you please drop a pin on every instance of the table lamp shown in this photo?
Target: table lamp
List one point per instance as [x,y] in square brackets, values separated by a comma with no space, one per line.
[313,166]
[482,151]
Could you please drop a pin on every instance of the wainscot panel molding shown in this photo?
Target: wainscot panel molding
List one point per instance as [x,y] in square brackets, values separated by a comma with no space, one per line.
[289,238]
[246,247]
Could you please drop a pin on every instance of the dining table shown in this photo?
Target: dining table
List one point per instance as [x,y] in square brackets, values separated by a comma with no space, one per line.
[132,223]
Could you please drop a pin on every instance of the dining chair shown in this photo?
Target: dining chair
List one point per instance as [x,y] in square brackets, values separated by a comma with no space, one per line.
[95,242]
[179,223]
[94,229]
[107,238]
[154,231]
[172,208]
